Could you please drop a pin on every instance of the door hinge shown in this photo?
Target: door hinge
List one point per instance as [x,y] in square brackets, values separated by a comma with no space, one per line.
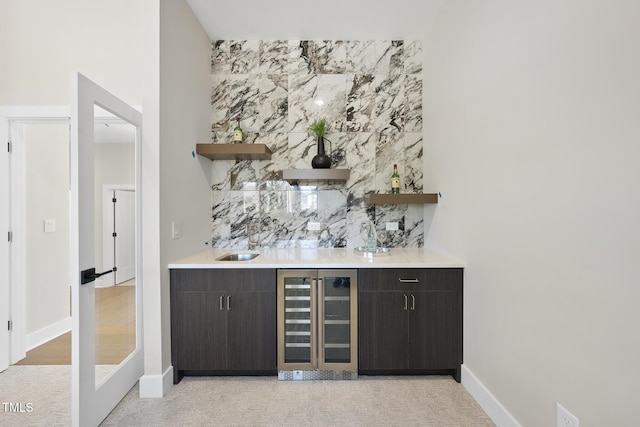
[9,236]
[113,200]
[9,325]
[9,147]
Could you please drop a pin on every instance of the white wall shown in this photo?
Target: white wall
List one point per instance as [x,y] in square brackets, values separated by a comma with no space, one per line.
[176,184]
[532,136]
[47,197]
[45,41]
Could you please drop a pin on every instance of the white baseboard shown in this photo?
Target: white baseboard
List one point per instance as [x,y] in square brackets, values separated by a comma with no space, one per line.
[156,386]
[48,333]
[103,283]
[498,414]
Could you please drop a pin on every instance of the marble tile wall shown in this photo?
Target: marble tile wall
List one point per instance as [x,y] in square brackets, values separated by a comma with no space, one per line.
[370,92]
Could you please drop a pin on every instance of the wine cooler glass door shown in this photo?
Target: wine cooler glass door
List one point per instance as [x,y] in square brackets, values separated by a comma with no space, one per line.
[296,320]
[337,290]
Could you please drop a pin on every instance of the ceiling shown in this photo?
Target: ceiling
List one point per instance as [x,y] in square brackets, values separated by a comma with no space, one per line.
[316,20]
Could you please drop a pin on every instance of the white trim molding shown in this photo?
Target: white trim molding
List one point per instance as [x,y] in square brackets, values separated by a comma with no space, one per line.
[156,386]
[492,406]
[48,333]
[18,254]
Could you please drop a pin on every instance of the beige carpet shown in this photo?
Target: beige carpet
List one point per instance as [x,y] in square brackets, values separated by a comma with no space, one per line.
[253,401]
[46,388]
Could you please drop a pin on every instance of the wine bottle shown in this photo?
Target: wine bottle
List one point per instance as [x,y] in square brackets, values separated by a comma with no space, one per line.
[395,181]
[237,132]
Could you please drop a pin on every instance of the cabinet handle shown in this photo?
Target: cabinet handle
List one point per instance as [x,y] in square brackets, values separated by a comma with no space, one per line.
[221,306]
[413,302]
[229,302]
[406,303]
[409,280]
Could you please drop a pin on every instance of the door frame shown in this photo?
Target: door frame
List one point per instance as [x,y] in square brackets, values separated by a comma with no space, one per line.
[107,238]
[5,294]
[12,255]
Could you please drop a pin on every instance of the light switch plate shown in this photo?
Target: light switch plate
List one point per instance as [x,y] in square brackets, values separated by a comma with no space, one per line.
[313,226]
[176,230]
[392,226]
[49,225]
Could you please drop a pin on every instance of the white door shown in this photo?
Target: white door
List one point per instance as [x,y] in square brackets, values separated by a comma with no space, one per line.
[119,234]
[98,385]
[124,230]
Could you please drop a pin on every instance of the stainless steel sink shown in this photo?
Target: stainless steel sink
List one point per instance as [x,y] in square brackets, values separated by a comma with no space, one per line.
[237,257]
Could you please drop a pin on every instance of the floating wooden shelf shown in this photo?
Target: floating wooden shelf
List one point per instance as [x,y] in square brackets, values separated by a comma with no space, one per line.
[234,151]
[400,199]
[295,175]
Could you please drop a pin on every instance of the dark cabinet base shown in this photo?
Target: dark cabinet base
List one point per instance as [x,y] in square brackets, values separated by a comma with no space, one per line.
[454,373]
[410,322]
[179,374]
[223,322]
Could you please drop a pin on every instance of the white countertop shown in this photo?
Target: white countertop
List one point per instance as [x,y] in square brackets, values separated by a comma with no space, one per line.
[319,258]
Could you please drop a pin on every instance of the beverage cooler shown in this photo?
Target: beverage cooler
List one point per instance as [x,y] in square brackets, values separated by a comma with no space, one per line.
[317,324]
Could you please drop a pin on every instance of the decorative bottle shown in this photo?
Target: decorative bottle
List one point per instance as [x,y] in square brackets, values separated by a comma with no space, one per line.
[372,238]
[395,180]
[237,132]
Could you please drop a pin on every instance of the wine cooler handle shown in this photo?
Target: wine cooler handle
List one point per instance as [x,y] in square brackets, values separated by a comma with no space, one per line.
[321,321]
[320,296]
[406,302]
[413,302]
[221,303]
[409,280]
[229,302]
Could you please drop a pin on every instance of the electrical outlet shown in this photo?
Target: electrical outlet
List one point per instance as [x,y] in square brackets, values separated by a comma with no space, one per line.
[392,226]
[313,226]
[564,418]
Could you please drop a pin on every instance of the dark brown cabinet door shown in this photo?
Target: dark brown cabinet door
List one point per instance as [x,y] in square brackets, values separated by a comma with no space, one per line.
[384,331]
[251,333]
[201,327]
[433,326]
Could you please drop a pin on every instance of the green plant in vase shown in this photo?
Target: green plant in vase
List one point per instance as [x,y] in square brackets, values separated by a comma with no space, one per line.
[320,160]
[319,127]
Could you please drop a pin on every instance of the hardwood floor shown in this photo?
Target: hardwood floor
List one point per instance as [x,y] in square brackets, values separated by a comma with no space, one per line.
[115,331]
[55,352]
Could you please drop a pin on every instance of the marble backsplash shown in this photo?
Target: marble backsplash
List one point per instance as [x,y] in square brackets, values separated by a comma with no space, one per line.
[370,92]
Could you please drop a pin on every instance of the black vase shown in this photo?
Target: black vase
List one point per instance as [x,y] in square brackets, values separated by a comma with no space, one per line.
[321,160]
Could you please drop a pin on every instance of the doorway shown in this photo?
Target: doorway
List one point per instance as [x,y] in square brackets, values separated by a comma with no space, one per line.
[37,288]
[118,234]
[38,194]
